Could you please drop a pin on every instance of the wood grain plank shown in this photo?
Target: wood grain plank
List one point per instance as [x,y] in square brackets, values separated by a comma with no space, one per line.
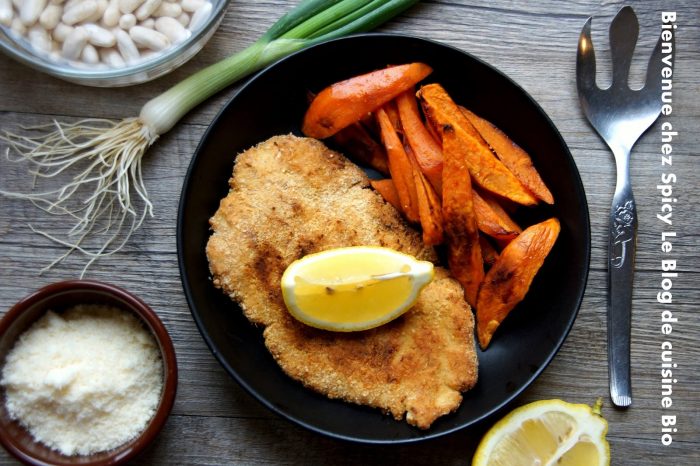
[215,421]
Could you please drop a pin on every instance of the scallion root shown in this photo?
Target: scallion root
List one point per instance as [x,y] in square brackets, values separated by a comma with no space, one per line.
[106,197]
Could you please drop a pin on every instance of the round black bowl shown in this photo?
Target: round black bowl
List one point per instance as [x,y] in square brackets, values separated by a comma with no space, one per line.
[273,103]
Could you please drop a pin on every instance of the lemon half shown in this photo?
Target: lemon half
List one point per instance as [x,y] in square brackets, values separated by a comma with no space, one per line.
[354,288]
[548,432]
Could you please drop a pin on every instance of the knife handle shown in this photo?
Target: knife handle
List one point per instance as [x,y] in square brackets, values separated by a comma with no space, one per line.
[621,250]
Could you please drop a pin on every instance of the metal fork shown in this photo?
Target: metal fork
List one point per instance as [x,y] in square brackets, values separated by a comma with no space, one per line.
[620,115]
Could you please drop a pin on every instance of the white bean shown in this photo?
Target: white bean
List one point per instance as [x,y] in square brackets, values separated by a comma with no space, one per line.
[184,19]
[74,43]
[200,17]
[100,36]
[172,10]
[79,12]
[191,6]
[112,14]
[126,46]
[148,23]
[148,54]
[71,3]
[99,12]
[90,55]
[31,10]
[128,6]
[147,8]
[39,38]
[6,12]
[61,31]
[148,38]
[172,29]
[112,58]
[18,27]
[51,16]
[127,21]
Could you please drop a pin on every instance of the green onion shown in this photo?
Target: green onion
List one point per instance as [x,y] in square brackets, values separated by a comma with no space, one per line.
[112,151]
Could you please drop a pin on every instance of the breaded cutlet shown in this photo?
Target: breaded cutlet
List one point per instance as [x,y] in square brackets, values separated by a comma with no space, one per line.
[292,196]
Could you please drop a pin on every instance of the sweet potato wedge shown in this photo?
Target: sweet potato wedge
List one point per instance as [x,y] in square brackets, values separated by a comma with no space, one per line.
[393,113]
[427,152]
[486,170]
[399,167]
[497,208]
[510,277]
[358,144]
[346,102]
[492,223]
[513,156]
[488,252]
[429,208]
[461,233]
[388,191]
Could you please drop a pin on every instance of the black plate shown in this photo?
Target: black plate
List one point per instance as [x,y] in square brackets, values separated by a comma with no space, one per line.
[274,103]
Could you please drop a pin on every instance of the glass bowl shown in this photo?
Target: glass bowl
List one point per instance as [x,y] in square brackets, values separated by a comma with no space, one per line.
[19,48]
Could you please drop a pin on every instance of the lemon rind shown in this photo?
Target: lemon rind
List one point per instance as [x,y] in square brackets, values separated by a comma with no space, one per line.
[515,419]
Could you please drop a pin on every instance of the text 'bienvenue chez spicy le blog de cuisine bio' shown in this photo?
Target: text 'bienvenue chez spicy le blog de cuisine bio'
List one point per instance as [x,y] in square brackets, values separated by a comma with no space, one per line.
[668,196]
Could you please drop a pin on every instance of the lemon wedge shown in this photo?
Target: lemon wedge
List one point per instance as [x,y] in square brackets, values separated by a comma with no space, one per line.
[354,288]
[548,432]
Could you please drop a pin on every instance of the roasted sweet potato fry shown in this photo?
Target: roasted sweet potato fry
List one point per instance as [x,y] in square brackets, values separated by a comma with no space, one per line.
[513,156]
[488,252]
[399,167]
[388,191]
[510,277]
[346,102]
[393,113]
[490,222]
[429,209]
[497,206]
[487,171]
[358,144]
[430,126]
[427,152]
[461,233]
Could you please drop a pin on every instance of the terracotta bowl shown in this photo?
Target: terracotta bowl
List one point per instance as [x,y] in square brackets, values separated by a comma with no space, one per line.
[58,297]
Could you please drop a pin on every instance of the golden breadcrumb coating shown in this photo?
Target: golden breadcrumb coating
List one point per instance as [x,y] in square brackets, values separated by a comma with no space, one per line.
[292,196]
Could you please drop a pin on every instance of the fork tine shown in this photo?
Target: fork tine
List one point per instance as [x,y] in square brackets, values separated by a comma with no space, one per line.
[653,80]
[624,31]
[585,59]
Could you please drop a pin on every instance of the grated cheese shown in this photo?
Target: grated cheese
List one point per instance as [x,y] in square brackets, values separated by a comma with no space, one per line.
[84,381]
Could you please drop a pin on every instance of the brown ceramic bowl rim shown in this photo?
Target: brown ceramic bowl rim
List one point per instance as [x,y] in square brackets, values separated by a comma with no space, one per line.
[157,329]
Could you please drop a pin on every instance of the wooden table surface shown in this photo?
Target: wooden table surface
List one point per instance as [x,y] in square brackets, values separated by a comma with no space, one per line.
[534,42]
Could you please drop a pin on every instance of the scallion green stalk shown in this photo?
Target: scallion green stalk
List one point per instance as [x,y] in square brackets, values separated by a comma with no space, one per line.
[311,22]
[112,151]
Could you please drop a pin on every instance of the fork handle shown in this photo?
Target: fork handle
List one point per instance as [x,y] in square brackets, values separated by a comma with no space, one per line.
[621,250]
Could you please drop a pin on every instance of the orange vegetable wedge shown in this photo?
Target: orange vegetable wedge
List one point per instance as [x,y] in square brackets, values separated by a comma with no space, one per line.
[399,167]
[428,152]
[490,222]
[510,277]
[346,102]
[513,156]
[358,144]
[429,209]
[487,171]
[388,191]
[505,219]
[461,233]
[393,113]
[488,252]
